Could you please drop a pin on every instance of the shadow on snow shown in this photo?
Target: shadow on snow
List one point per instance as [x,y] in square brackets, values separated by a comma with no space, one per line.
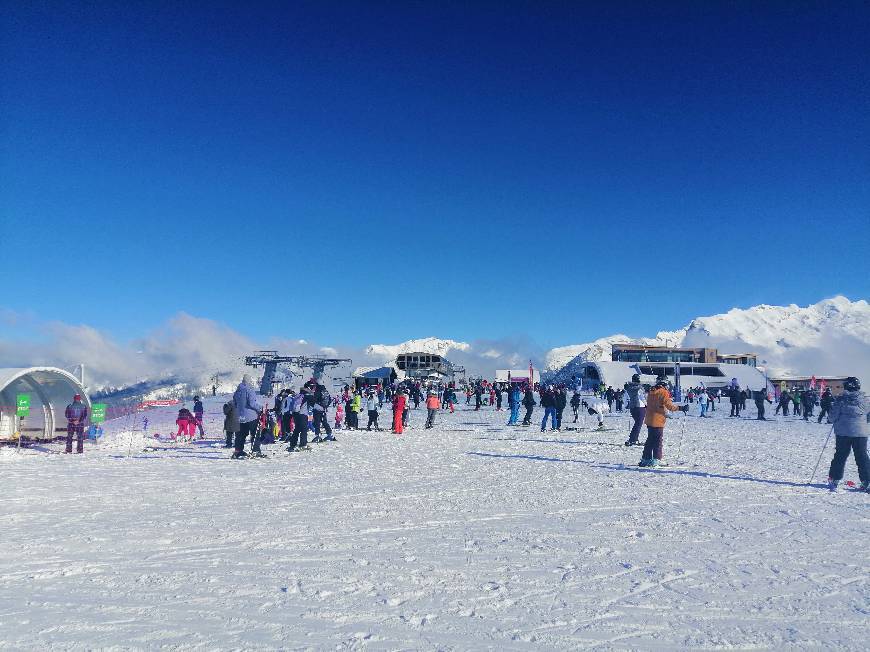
[661,471]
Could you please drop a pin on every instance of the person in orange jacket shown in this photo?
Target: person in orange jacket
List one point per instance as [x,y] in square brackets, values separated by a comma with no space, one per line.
[432,405]
[399,401]
[658,404]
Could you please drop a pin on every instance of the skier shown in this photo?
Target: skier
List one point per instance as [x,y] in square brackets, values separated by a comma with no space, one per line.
[796,401]
[609,394]
[658,404]
[703,402]
[398,410]
[619,395]
[322,401]
[406,413]
[735,398]
[339,414]
[497,390]
[575,404]
[186,423]
[760,397]
[808,402]
[784,400]
[597,407]
[231,423]
[372,410]
[548,402]
[849,415]
[514,398]
[248,410]
[300,408]
[432,407]
[637,407]
[197,415]
[529,404]
[76,414]
[561,402]
[827,401]
[478,397]
[287,425]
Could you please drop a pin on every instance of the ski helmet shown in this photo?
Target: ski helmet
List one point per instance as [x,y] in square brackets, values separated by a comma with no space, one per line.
[852,384]
[635,378]
[661,379]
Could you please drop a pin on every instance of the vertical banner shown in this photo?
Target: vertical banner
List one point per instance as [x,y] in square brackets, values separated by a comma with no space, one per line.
[678,391]
[22,405]
[98,412]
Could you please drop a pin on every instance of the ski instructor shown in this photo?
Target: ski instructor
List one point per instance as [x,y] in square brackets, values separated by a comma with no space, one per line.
[658,404]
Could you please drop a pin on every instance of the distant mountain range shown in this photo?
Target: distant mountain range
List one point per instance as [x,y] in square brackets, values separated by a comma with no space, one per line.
[831,337]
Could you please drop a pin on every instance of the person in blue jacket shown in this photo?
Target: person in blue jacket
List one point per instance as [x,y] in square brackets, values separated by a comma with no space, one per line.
[514,398]
[248,408]
[849,414]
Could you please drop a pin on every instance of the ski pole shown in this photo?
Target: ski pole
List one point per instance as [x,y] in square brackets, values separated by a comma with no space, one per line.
[812,477]
[682,433]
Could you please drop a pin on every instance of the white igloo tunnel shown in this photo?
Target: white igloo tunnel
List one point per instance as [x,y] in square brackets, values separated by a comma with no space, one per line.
[50,390]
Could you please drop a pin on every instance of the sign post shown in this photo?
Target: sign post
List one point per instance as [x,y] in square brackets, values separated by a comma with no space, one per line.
[22,409]
[22,405]
[98,412]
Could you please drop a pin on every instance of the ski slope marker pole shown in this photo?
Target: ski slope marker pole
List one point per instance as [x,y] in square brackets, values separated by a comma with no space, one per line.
[812,477]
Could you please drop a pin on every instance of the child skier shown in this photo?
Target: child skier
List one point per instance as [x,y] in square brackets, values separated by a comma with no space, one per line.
[849,415]
[339,415]
[372,409]
[432,407]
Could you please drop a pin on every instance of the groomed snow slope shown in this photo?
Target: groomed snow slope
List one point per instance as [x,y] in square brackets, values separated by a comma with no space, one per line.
[469,536]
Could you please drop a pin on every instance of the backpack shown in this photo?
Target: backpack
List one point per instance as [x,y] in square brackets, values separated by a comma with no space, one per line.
[325,399]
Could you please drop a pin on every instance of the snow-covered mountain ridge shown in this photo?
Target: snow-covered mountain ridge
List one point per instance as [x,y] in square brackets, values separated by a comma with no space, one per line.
[831,337]
[431,345]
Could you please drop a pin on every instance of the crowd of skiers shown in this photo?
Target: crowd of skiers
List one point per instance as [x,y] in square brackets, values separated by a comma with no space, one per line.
[294,414]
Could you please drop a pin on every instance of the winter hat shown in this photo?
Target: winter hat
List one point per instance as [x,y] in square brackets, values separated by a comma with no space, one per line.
[852,384]
[196,398]
[635,378]
[77,397]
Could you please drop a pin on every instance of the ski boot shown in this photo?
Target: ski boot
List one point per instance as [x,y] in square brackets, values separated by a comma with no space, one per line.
[645,462]
[329,438]
[864,486]
[630,443]
[257,454]
[600,427]
[238,455]
[316,440]
[832,485]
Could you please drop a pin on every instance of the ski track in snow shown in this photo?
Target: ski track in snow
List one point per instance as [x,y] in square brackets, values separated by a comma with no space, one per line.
[472,535]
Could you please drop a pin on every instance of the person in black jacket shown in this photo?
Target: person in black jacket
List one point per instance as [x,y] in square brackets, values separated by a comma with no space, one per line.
[760,397]
[529,404]
[784,400]
[231,423]
[734,397]
[826,402]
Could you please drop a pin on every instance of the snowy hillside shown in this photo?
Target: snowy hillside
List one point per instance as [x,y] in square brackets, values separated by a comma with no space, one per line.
[432,345]
[831,337]
[470,536]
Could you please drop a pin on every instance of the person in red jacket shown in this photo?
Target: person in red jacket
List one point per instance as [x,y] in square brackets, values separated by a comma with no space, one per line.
[186,422]
[399,401]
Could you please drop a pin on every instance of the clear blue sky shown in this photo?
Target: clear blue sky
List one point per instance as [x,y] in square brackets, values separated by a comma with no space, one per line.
[455,169]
